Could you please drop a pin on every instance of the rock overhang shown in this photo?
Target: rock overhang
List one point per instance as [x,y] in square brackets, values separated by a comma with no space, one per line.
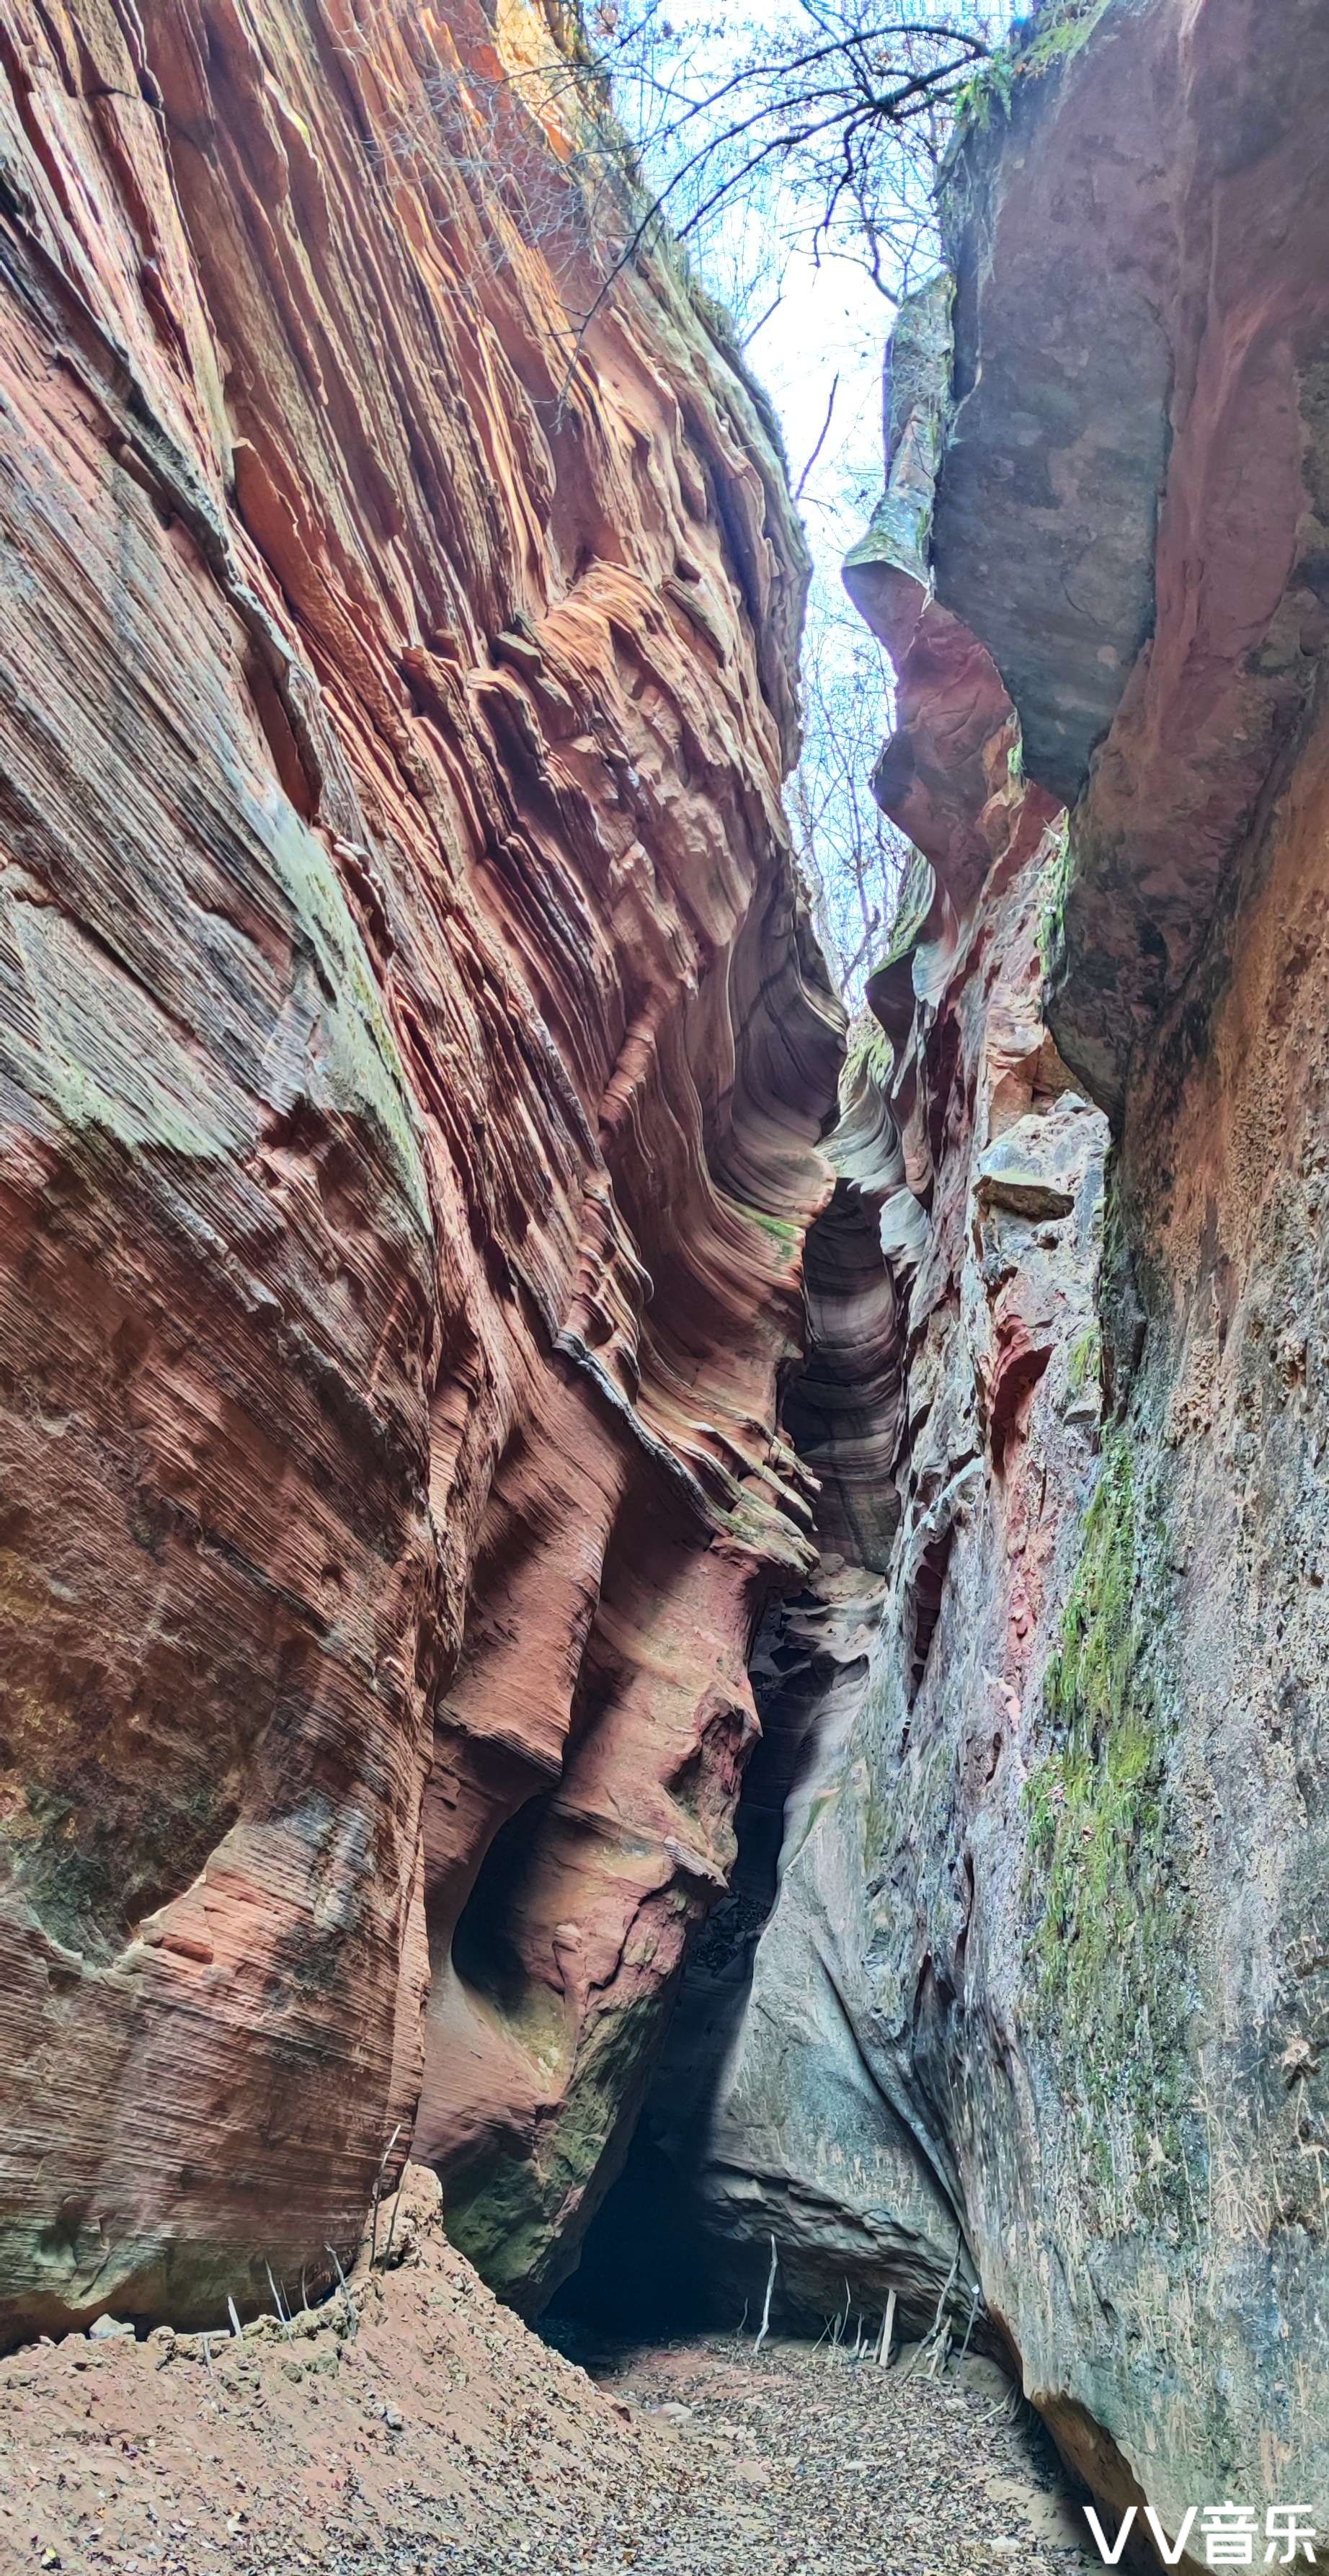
[1054,463]
[1129,505]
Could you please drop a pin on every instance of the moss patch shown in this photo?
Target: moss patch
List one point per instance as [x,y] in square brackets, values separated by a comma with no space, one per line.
[1110,1938]
[1085,1359]
[509,2217]
[1063,30]
[868,1055]
[911,912]
[783,1231]
[91,1859]
[1052,900]
[359,1061]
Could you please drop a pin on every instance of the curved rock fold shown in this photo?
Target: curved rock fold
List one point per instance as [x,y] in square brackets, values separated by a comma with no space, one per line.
[414,1059]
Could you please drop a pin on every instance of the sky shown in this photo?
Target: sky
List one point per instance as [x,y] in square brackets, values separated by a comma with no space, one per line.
[811,326]
[830,321]
[829,330]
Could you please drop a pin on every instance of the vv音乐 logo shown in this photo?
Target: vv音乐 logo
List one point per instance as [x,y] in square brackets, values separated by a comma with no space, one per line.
[1229,2535]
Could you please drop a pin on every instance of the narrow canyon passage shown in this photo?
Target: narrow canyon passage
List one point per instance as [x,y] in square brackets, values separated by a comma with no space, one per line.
[683,2238]
[662,1582]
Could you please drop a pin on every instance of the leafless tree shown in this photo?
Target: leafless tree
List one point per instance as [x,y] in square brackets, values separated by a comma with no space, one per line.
[820,122]
[780,130]
[852,858]
[759,132]
[840,109]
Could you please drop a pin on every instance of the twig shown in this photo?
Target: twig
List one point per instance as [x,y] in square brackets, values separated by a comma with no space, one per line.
[351,2318]
[378,2194]
[887,2330]
[773,307]
[236,2327]
[863,946]
[946,2288]
[766,2311]
[825,427]
[283,2314]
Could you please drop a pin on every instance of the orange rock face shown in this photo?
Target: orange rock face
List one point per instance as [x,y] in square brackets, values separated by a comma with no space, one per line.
[411,1062]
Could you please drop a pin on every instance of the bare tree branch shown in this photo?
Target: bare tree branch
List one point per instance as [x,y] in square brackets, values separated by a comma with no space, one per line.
[825,426]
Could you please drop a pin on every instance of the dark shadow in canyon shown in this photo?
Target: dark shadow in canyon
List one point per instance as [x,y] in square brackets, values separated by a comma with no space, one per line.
[648,2264]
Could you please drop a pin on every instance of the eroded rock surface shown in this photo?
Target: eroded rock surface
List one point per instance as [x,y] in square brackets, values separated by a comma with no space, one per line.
[1132,509]
[852,2115]
[1036,2026]
[413,1057]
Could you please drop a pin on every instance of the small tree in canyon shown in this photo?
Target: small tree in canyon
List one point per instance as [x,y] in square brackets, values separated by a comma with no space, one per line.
[821,123]
[769,136]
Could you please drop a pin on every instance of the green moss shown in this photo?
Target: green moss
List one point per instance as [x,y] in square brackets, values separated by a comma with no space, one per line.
[1089,1680]
[911,912]
[1052,902]
[69,1880]
[782,1230]
[1063,31]
[899,537]
[359,1059]
[509,2216]
[1085,1359]
[91,1860]
[868,1052]
[1109,1937]
[105,1058]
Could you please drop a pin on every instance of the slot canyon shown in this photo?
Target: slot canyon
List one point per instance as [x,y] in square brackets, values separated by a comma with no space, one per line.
[662,1645]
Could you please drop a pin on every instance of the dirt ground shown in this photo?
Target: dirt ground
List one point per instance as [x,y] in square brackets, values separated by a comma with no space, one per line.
[416,2428]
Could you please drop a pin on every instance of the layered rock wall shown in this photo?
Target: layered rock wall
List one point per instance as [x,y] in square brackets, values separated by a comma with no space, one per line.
[413,1058]
[837,2121]
[1036,2026]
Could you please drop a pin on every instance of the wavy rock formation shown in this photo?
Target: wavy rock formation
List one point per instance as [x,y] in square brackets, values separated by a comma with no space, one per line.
[413,1060]
[1036,2027]
[833,2120]
[659,2250]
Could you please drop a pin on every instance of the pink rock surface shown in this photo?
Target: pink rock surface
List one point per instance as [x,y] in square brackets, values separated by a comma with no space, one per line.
[413,1056]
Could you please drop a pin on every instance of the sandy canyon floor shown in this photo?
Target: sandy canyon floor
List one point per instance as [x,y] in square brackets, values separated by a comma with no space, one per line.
[416,2428]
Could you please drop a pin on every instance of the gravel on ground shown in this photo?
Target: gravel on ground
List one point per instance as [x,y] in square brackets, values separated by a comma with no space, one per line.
[413,2427]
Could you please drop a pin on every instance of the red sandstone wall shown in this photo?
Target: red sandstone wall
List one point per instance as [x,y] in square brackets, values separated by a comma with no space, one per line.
[411,1056]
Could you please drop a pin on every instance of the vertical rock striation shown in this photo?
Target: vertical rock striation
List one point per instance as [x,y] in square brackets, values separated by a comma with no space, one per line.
[689,2222]
[413,1054]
